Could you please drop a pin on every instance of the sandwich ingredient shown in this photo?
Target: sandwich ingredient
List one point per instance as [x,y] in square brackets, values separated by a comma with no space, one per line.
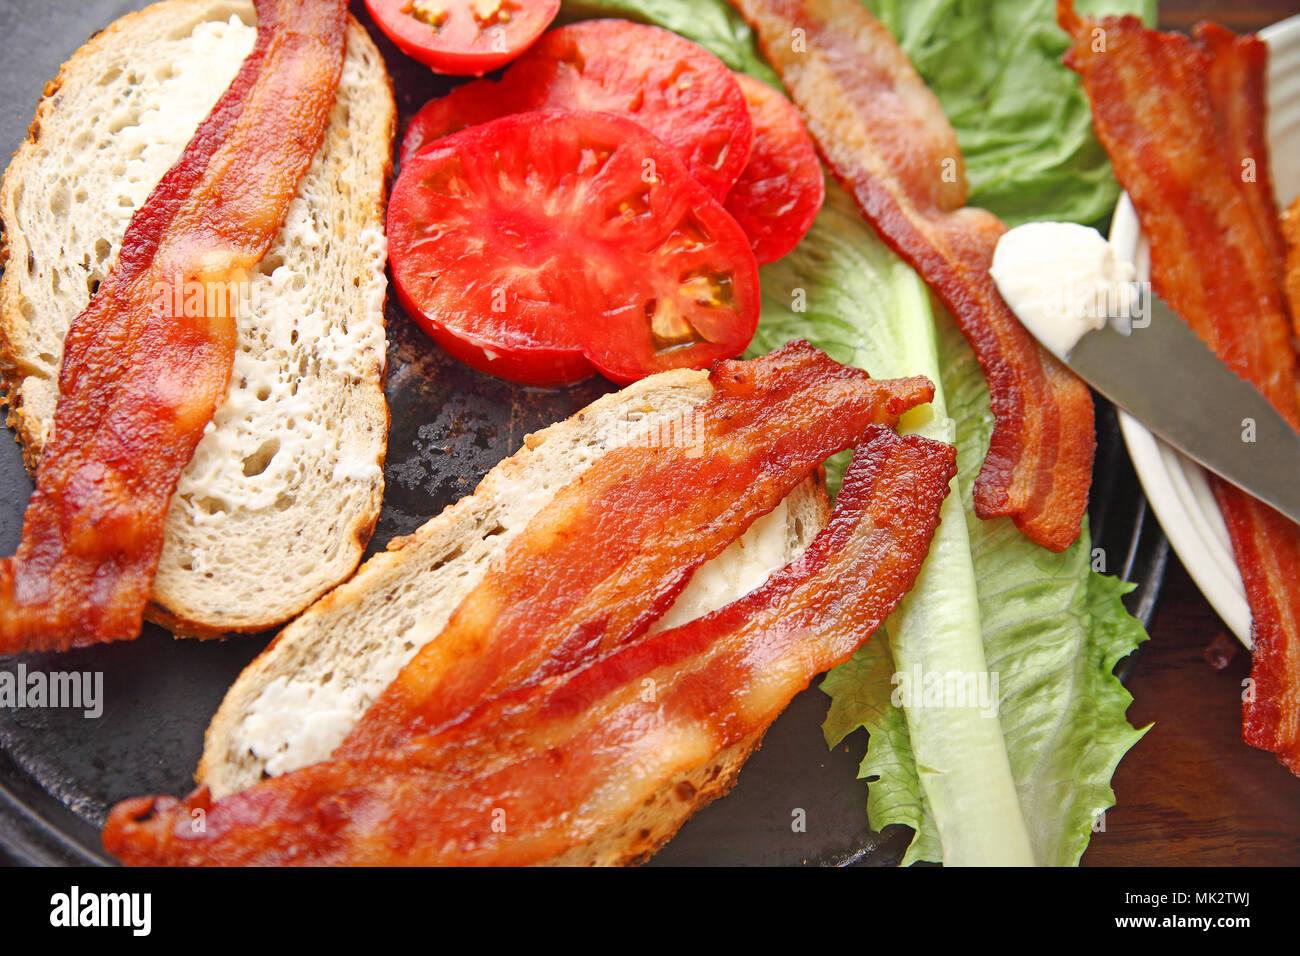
[769,422]
[782,187]
[1291,231]
[544,247]
[1157,118]
[1058,277]
[775,199]
[1236,77]
[463,37]
[885,137]
[1051,627]
[470,104]
[677,90]
[124,431]
[959,748]
[594,737]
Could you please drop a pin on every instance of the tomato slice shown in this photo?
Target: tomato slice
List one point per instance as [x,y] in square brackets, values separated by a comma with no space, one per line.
[463,37]
[677,90]
[467,105]
[781,190]
[544,247]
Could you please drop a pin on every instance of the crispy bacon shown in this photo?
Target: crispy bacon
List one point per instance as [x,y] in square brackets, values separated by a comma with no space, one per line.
[544,768]
[659,508]
[1153,112]
[1236,75]
[1267,548]
[885,138]
[140,377]
[1291,233]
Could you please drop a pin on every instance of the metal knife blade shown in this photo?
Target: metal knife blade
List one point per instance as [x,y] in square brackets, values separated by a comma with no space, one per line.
[1163,375]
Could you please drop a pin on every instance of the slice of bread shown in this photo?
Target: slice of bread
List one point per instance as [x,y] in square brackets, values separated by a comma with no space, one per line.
[297,701]
[283,491]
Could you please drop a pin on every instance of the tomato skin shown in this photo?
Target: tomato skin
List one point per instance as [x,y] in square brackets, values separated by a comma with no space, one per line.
[469,104]
[782,188]
[462,45]
[539,366]
[677,90]
[532,249]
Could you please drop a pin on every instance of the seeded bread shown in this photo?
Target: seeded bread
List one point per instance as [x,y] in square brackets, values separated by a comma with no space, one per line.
[284,489]
[297,701]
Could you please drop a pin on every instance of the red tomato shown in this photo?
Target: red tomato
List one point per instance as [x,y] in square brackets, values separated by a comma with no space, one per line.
[467,105]
[463,37]
[543,247]
[677,90]
[781,191]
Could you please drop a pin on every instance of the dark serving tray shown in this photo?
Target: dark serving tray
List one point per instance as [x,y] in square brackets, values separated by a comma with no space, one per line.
[60,772]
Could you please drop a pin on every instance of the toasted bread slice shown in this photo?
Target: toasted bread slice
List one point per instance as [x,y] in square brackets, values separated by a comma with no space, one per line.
[297,701]
[284,490]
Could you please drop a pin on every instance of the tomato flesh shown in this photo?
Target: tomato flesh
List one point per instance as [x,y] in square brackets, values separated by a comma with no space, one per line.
[544,247]
[677,90]
[781,190]
[463,37]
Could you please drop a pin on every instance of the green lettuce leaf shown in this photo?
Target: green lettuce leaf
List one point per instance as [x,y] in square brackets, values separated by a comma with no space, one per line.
[1022,119]
[1053,631]
[847,293]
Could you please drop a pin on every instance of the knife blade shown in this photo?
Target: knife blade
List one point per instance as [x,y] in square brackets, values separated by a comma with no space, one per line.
[1158,370]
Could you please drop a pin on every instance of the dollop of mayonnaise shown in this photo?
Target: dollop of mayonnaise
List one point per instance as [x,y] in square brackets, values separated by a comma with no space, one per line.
[1062,280]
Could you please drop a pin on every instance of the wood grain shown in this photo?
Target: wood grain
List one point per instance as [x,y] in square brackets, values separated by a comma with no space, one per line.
[1191,793]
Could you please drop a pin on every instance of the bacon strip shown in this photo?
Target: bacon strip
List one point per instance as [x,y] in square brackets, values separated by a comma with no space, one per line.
[545,768]
[1153,112]
[138,383]
[659,509]
[1236,75]
[1291,233]
[885,138]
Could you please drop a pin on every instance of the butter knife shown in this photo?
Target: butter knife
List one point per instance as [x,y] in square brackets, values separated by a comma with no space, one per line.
[1156,368]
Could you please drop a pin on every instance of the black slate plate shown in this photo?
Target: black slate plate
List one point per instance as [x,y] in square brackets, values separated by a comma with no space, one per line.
[60,772]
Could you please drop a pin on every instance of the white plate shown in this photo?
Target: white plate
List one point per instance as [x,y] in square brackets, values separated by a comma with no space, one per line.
[1175,485]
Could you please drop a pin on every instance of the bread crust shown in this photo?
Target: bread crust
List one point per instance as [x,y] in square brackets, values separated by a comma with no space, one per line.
[17,359]
[632,841]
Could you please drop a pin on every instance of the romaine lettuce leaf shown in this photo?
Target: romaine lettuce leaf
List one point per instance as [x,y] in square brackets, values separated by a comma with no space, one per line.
[847,293]
[1022,119]
[1053,631]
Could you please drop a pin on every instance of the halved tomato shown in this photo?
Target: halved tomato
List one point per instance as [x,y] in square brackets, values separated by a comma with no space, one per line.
[677,90]
[544,247]
[781,190]
[463,37]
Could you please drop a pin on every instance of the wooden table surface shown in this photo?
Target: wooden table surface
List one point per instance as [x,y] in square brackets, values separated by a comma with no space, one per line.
[1190,792]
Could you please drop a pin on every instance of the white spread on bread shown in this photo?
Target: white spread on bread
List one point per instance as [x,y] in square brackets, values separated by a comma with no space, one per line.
[295,722]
